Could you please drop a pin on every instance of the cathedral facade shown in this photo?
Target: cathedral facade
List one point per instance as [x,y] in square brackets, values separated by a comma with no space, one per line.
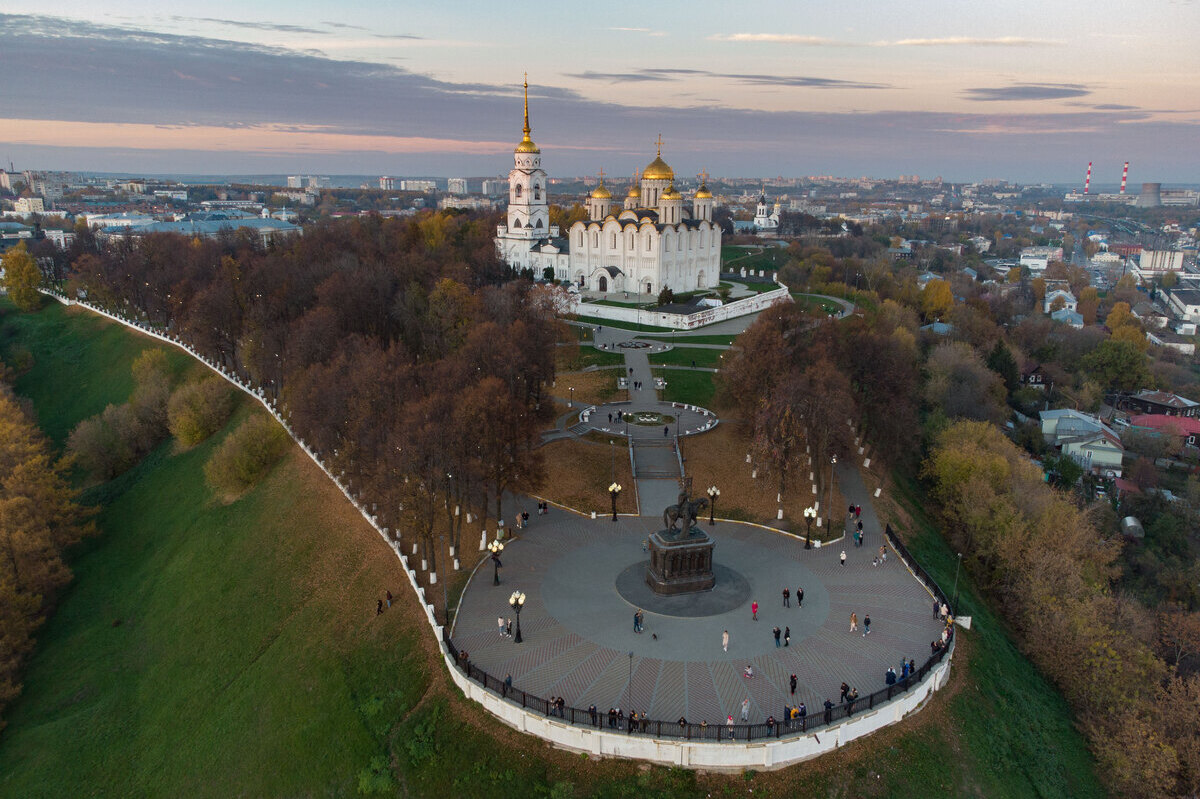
[652,240]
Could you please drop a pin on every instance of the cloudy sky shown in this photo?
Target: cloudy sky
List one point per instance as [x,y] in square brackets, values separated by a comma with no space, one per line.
[1019,90]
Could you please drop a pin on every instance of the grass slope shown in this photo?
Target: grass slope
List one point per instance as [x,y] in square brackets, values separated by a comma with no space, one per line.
[248,660]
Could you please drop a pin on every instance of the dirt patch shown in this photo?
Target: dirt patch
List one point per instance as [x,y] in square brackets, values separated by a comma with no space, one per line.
[579,473]
[591,388]
[718,458]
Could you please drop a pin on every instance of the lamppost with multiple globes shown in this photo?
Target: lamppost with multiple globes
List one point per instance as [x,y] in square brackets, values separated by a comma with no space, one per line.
[810,513]
[613,490]
[829,509]
[713,493]
[496,547]
[516,602]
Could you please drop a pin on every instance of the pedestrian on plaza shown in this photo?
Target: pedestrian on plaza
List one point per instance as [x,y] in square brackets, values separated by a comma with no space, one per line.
[610,417]
[635,622]
[903,670]
[857,511]
[850,512]
[843,557]
[389,598]
[853,622]
[800,596]
[792,683]
[890,677]
[748,672]
[507,684]
[787,636]
[524,518]
[828,712]
[883,554]
[858,538]
[771,724]
[850,700]
[632,720]
[866,625]
[378,607]
[754,610]
[745,709]
[945,610]
[645,721]
[912,666]
[729,726]
[776,634]
[612,717]
[845,692]
[666,430]
[937,606]
[508,628]
[500,624]
[592,714]
[802,714]
[725,640]
[787,597]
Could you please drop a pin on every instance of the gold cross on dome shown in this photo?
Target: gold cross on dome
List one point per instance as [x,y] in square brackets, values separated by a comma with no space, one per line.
[660,144]
[703,176]
[601,174]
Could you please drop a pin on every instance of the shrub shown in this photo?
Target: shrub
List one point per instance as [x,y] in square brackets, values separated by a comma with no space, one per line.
[197,410]
[246,455]
[99,448]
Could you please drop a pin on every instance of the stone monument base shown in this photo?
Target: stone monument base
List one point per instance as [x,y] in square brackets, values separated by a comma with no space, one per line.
[680,563]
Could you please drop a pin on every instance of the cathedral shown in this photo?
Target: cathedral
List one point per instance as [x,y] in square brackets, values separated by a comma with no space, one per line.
[646,243]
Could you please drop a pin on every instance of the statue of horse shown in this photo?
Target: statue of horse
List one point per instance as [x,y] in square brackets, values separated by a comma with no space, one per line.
[685,511]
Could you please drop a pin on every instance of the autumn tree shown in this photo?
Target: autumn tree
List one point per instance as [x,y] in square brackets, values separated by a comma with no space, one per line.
[21,278]
[936,300]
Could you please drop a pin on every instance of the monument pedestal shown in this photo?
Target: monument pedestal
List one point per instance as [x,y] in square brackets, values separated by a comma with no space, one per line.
[680,564]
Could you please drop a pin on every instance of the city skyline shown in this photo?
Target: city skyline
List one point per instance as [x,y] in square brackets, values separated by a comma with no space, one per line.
[1006,92]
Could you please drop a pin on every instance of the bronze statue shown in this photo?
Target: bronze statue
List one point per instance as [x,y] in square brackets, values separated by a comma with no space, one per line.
[685,511]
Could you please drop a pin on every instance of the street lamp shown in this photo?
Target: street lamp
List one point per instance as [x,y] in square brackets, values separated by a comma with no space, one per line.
[829,509]
[713,493]
[496,547]
[571,401]
[810,513]
[956,568]
[613,490]
[516,602]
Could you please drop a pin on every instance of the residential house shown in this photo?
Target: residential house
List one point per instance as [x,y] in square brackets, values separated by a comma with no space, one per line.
[1185,303]
[1159,402]
[1186,427]
[1068,300]
[1068,317]
[1149,314]
[1085,439]
[1034,377]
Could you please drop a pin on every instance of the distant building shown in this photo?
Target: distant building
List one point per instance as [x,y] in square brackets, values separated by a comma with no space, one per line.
[1186,427]
[496,187]
[268,229]
[1068,301]
[468,203]
[1085,439]
[1160,261]
[1159,402]
[29,205]
[1185,303]
[387,183]
[1068,317]
[456,186]
[766,220]
[308,181]
[418,185]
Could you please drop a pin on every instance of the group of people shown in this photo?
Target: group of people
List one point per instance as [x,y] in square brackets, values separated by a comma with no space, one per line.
[787,597]
[787,636]
[617,719]
[638,621]
[379,603]
[505,626]
[523,518]
[866,624]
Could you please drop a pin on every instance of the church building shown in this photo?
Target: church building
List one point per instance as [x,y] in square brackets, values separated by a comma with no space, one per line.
[649,242]
[764,221]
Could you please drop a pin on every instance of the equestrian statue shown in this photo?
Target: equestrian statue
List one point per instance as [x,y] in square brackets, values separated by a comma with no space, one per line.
[685,511]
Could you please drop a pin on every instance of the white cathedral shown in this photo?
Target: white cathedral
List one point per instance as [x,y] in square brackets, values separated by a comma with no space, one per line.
[647,243]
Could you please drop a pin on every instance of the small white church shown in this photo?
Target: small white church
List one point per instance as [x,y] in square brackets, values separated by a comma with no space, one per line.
[646,243]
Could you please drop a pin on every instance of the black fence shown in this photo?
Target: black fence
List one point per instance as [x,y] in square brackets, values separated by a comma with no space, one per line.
[681,729]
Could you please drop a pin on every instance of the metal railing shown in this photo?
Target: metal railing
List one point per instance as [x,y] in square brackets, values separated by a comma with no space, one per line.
[681,729]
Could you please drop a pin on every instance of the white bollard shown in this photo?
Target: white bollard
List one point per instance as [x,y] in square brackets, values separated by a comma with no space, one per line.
[867,463]
[861,450]
[754,474]
[433,578]
[415,551]
[456,566]
[451,551]
[818,521]
[468,517]
[780,516]
[483,541]
[814,489]
[877,492]
[593,514]
[424,564]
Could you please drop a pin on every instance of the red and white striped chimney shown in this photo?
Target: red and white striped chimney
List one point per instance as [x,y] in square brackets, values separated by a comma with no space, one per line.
[1124,176]
[1087,182]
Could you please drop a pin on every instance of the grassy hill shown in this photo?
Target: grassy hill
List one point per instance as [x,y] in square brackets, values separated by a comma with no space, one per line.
[215,650]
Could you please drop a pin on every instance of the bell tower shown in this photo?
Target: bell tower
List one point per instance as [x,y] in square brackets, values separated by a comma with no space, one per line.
[528,209]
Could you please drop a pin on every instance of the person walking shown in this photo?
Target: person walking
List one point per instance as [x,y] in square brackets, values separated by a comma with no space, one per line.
[776,633]
[388,597]
[666,430]
[843,557]
[937,606]
[635,622]
[500,624]
[883,554]
[508,628]
[725,640]
[866,625]
[508,684]
[745,710]
[857,511]
[828,712]
[792,684]
[729,726]
[800,596]
[754,610]
[853,622]
[378,607]
[787,636]
[787,598]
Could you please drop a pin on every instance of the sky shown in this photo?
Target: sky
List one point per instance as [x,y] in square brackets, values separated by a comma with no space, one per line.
[1015,90]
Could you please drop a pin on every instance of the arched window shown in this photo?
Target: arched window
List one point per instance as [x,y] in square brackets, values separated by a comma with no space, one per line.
[595,240]
[537,193]
[603,283]
[614,241]
[539,224]
[648,237]
[579,239]
[517,190]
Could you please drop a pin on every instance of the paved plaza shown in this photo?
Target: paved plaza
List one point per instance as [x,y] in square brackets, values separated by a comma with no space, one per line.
[578,633]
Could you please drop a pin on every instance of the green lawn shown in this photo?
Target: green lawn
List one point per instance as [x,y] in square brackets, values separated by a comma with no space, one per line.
[684,339]
[734,258]
[813,302]
[695,388]
[686,356]
[595,320]
[589,356]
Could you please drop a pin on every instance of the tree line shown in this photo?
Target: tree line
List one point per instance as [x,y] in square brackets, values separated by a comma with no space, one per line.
[403,351]
[40,520]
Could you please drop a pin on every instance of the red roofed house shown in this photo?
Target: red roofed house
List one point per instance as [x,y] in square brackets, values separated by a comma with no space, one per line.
[1186,427]
[1160,402]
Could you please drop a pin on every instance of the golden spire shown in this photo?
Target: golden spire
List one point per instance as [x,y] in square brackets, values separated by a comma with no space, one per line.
[659,153]
[526,145]
[526,128]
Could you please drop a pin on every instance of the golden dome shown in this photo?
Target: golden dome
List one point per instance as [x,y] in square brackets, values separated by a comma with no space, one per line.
[634,192]
[703,193]
[527,146]
[658,170]
[601,192]
[671,194]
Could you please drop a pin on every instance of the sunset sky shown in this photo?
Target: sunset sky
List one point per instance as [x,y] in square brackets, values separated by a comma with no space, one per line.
[1024,91]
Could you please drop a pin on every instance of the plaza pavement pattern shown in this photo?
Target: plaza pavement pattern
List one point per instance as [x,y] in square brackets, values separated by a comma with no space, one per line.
[578,629]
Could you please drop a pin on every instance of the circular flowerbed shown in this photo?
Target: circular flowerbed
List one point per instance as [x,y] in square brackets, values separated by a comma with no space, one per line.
[650,418]
[634,345]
